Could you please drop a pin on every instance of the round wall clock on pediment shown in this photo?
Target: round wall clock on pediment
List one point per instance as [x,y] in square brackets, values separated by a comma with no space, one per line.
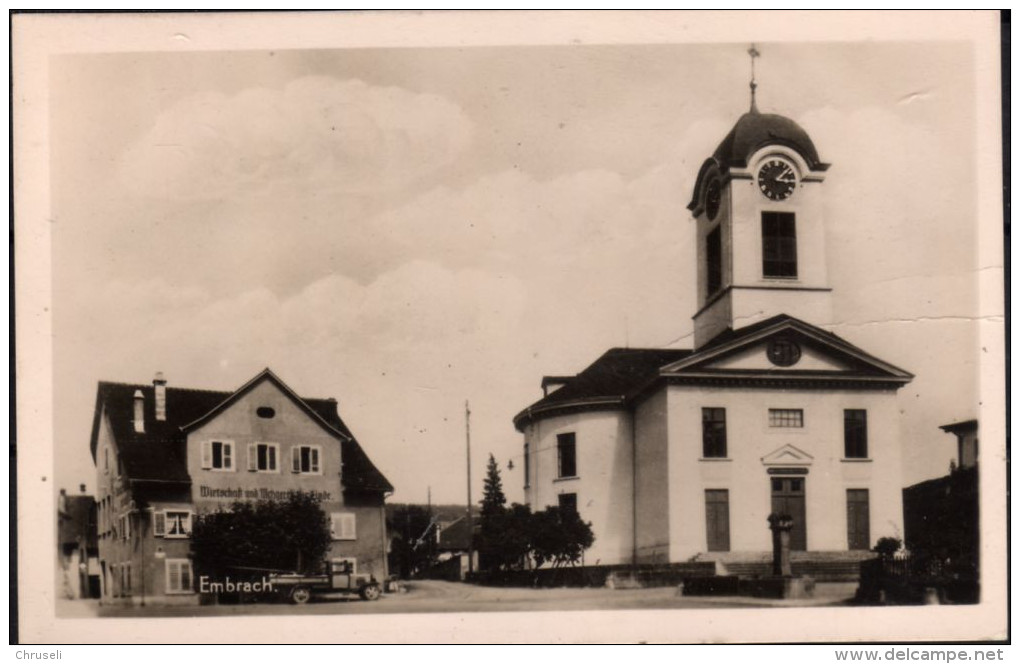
[783,352]
[777,179]
[713,196]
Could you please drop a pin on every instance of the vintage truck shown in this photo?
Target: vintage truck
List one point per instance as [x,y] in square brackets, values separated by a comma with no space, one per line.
[339,580]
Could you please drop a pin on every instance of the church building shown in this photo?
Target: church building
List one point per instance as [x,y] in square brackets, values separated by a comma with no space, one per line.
[673,454]
[166,454]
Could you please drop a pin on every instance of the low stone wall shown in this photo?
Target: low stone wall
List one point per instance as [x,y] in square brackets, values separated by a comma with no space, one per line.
[612,576]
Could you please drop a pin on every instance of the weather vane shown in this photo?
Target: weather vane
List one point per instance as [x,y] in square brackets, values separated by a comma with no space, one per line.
[753,52]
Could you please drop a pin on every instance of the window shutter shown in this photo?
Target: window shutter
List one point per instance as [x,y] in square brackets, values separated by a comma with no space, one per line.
[335,525]
[314,460]
[173,576]
[187,523]
[349,527]
[295,458]
[206,454]
[159,524]
[253,454]
[228,456]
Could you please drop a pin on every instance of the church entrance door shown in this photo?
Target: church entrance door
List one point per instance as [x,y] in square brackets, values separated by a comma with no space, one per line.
[788,498]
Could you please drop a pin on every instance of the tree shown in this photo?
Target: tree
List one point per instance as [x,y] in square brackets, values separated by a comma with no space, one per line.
[286,535]
[559,536]
[492,522]
[493,498]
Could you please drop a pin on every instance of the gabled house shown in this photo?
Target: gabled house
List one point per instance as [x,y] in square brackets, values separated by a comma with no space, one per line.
[164,454]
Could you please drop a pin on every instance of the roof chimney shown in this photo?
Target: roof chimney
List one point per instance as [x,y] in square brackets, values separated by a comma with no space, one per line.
[139,412]
[160,384]
[62,501]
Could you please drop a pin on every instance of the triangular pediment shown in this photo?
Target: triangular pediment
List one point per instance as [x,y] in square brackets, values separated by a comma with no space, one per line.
[787,455]
[784,347]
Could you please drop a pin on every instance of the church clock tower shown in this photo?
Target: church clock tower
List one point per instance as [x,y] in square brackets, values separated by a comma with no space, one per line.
[758,204]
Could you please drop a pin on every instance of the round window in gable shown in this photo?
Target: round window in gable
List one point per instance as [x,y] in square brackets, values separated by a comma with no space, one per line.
[783,352]
[265,412]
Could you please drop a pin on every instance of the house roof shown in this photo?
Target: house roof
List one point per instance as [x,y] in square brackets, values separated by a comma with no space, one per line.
[622,375]
[160,453]
[754,130]
[606,382]
[958,428]
[456,536]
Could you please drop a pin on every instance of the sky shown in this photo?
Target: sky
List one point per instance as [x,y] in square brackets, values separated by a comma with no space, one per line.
[407,229]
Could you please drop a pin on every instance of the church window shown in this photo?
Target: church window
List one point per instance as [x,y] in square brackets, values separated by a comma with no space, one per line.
[855,434]
[566,449]
[786,418]
[779,244]
[713,260]
[713,432]
[527,465]
[568,502]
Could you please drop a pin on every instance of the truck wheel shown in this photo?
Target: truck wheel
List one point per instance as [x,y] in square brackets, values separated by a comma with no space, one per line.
[300,595]
[370,593]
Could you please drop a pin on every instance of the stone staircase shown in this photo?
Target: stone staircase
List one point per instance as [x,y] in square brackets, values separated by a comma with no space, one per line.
[822,566]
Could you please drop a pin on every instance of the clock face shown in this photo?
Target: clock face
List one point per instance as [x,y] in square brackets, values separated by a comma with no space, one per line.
[783,352]
[712,197]
[777,179]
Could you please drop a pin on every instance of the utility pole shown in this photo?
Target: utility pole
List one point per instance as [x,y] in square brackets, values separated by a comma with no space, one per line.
[470,520]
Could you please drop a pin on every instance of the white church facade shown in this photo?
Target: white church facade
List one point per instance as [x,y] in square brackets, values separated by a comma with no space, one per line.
[675,453]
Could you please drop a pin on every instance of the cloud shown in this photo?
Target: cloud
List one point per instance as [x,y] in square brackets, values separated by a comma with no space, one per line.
[314,133]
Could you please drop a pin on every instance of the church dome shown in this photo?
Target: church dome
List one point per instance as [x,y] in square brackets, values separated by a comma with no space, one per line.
[755,130]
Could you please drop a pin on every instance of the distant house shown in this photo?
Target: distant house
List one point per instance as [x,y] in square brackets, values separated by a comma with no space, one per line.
[165,454]
[966,442]
[78,550]
[941,516]
[454,543]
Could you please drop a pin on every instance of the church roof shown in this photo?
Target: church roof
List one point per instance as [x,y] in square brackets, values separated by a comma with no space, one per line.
[160,452]
[622,375]
[755,130]
[608,381]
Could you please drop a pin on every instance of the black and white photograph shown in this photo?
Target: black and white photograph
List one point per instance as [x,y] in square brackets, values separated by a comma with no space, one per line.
[509,327]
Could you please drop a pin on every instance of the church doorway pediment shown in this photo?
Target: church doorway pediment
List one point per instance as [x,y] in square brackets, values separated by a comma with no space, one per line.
[787,456]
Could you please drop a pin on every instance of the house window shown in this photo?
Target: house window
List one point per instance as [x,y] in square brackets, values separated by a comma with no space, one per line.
[786,418]
[713,260]
[713,433]
[171,523]
[566,449]
[262,457]
[178,576]
[124,526]
[342,526]
[779,244]
[218,455]
[106,459]
[568,502]
[305,459]
[855,434]
[125,579]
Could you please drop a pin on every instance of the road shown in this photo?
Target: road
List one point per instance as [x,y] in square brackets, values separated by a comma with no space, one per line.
[446,597]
